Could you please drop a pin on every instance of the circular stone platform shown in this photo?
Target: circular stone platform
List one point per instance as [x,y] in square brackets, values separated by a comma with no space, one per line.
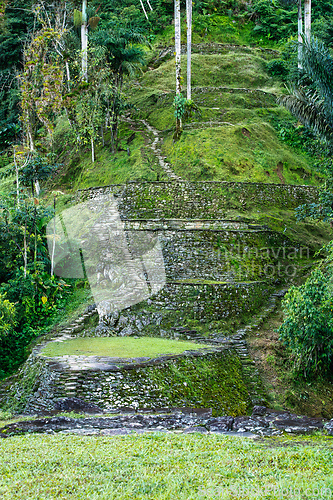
[117,347]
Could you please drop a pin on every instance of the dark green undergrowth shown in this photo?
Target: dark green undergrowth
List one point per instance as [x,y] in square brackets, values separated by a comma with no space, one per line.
[16,348]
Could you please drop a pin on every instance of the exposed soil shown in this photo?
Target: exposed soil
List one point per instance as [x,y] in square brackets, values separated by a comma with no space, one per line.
[279,172]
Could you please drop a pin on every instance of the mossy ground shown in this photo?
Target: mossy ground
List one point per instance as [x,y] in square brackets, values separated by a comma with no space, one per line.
[164,467]
[118,347]
[217,28]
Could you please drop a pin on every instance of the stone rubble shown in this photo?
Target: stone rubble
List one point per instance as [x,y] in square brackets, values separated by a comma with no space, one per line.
[262,422]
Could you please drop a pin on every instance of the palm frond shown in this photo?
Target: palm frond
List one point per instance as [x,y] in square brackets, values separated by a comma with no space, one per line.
[318,65]
[310,109]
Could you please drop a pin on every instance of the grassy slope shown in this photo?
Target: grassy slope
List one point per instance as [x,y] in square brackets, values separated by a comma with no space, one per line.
[235,137]
[249,149]
[164,466]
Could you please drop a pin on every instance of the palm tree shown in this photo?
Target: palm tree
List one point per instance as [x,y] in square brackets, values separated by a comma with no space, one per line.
[84,41]
[300,34]
[312,103]
[307,19]
[189,45]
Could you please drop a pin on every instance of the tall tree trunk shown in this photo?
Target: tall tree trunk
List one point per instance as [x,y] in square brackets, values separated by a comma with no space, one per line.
[178,57]
[35,230]
[300,35]
[17,185]
[307,19]
[54,236]
[143,8]
[92,150]
[68,76]
[25,254]
[189,45]
[37,188]
[84,41]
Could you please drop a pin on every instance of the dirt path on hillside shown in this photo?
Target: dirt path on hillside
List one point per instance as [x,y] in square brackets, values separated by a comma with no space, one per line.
[155,147]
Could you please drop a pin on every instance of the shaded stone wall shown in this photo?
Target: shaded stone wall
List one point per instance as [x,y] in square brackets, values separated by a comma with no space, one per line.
[209,307]
[240,255]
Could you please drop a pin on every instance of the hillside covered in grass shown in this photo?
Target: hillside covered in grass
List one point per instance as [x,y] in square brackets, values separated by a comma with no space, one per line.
[237,133]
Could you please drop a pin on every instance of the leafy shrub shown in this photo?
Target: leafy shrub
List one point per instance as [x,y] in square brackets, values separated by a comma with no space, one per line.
[7,316]
[272,21]
[36,297]
[323,29]
[277,67]
[308,326]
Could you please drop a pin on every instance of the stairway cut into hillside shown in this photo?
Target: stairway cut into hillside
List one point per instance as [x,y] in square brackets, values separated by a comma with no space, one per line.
[220,271]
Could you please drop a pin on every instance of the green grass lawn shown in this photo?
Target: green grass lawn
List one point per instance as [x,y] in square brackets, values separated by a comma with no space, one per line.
[164,466]
[118,347]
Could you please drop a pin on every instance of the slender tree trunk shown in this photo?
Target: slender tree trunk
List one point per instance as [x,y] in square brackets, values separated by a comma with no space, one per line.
[31,141]
[189,45]
[25,252]
[35,229]
[68,76]
[307,19]
[54,235]
[37,188]
[143,8]
[25,255]
[92,150]
[300,35]
[17,171]
[102,136]
[17,185]
[178,58]
[114,133]
[178,47]
[84,41]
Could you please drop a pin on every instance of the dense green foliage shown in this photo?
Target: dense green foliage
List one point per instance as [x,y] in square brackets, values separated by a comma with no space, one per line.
[29,296]
[7,316]
[308,326]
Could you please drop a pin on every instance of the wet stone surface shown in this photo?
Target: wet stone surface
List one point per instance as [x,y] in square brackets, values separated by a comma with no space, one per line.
[184,420]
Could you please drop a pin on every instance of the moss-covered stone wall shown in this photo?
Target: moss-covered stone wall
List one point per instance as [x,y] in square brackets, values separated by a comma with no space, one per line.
[212,380]
[199,200]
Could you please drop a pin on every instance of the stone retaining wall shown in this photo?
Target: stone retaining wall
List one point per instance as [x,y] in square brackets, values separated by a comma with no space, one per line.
[199,200]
